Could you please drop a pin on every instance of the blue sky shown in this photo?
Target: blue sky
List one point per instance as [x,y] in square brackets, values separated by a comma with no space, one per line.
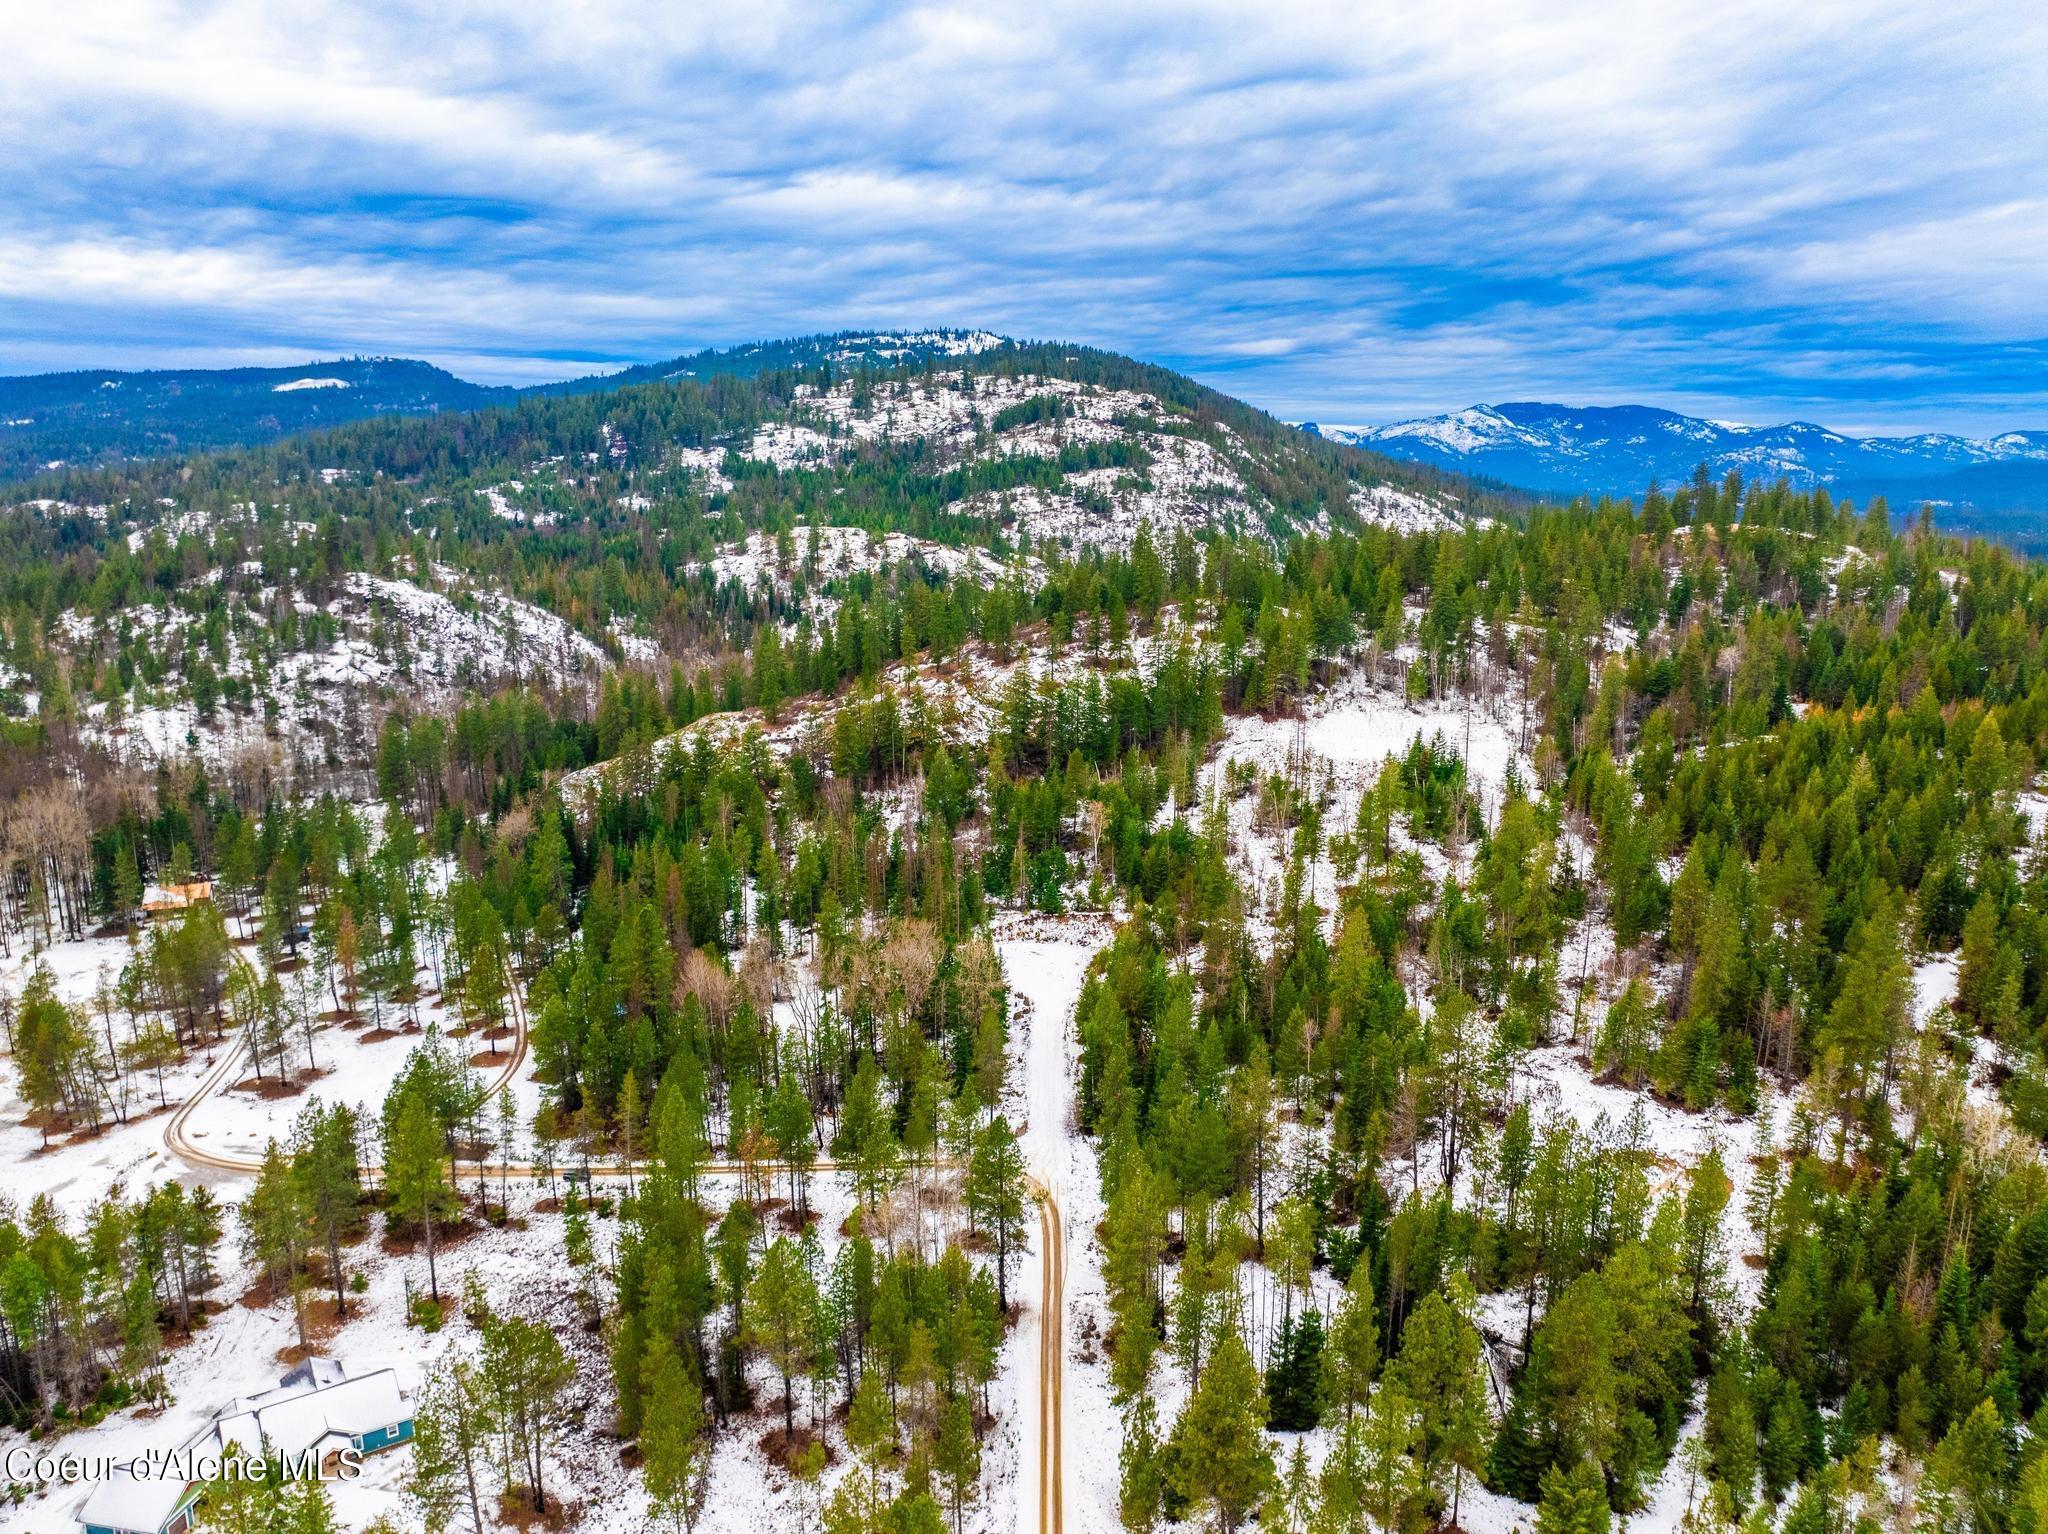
[1838,212]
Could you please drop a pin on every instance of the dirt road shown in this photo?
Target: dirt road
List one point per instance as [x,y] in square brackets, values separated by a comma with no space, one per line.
[1052,1354]
[1052,1234]
[178,1139]
[1046,966]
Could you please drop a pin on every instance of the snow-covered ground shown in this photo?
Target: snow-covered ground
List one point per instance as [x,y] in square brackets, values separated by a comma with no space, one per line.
[1403,510]
[420,642]
[239,1350]
[1045,961]
[1191,475]
[1338,742]
[822,556]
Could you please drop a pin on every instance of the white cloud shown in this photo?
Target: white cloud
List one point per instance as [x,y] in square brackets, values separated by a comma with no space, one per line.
[1332,207]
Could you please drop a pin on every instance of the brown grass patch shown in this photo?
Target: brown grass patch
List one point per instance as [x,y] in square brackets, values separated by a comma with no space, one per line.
[321,1325]
[269,1088]
[404,1240]
[782,1448]
[79,1134]
[1088,1333]
[266,1291]
[516,1511]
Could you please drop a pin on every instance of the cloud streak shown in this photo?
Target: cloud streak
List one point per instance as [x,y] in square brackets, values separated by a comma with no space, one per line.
[1339,213]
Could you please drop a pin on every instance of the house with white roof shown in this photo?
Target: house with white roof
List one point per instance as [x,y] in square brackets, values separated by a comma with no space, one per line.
[126,1503]
[319,1409]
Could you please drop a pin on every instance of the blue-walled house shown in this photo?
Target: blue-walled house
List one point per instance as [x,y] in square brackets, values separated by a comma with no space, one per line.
[318,1409]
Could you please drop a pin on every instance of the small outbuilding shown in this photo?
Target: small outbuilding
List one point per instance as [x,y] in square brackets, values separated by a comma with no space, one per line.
[167,899]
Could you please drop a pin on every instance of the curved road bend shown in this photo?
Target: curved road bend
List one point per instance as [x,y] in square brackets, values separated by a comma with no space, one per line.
[179,1143]
[1052,1297]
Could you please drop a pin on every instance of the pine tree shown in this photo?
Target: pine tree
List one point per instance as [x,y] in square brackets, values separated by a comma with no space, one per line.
[274,1228]
[1863,1026]
[1702,1255]
[1571,1371]
[1628,1037]
[630,1111]
[416,1174]
[791,1126]
[1391,1483]
[782,1309]
[508,1147]
[450,1436]
[1291,1506]
[525,1372]
[1785,1443]
[1574,1501]
[675,1454]
[1140,1487]
[1967,1486]
[1440,1368]
[1730,1433]
[330,1184]
[867,1137]
[1220,1451]
[1295,1373]
[1351,1357]
[998,1195]
[1341,1485]
[957,1458]
[307,1508]
[1767,1181]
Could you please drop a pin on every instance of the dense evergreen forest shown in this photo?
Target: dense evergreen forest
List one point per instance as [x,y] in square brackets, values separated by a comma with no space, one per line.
[1772,761]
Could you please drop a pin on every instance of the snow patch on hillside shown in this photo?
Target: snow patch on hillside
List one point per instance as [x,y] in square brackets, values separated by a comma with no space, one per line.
[821,554]
[397,642]
[1402,510]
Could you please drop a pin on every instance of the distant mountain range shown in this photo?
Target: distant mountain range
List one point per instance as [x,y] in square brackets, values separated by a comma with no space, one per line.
[1996,485]
[102,415]
[52,420]
[1619,449]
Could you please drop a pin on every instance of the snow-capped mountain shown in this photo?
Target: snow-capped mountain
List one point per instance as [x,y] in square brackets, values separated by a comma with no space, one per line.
[1619,449]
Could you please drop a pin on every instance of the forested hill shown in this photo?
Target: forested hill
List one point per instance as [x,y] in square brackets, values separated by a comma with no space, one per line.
[844,349]
[281,598]
[100,416]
